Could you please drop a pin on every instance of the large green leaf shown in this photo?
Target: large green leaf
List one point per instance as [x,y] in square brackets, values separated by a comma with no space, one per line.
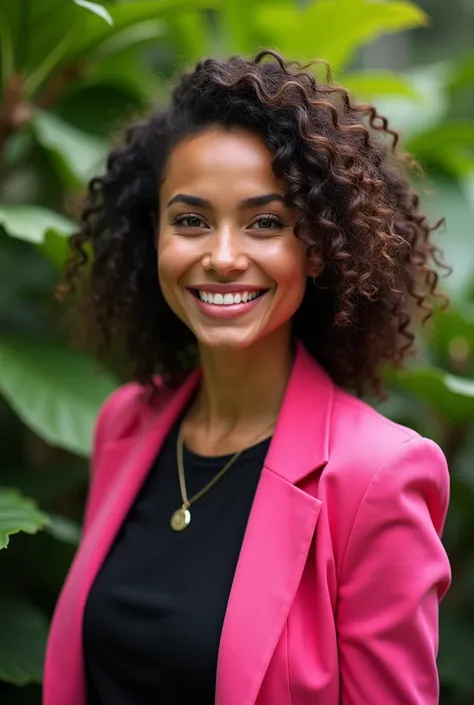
[127,14]
[445,137]
[450,395]
[238,25]
[333,30]
[462,73]
[446,198]
[414,117]
[79,153]
[96,9]
[56,392]
[188,32]
[22,641]
[18,513]
[373,84]
[33,223]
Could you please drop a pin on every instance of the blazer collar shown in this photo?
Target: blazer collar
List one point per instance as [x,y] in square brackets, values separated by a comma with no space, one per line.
[300,440]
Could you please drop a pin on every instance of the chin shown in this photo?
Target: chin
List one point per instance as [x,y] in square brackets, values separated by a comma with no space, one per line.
[234,341]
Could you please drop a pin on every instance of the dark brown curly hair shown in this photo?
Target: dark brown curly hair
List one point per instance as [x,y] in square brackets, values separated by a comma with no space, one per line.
[356,212]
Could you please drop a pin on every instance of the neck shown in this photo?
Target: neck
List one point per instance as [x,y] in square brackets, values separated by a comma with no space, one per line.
[243,389]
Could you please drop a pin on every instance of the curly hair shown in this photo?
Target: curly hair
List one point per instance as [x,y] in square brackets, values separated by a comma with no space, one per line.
[343,175]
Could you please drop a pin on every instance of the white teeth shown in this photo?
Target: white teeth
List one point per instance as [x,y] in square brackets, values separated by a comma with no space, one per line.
[227,299]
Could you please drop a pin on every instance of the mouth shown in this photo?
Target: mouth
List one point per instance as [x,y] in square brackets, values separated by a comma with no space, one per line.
[227,299]
[227,305]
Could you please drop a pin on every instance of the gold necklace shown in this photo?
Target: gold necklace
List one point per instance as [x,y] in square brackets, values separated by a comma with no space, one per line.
[181,518]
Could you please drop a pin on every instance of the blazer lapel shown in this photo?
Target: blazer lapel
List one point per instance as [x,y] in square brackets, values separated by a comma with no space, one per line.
[279,533]
[129,460]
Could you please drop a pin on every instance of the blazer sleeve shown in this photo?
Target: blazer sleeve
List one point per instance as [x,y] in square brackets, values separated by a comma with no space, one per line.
[394,573]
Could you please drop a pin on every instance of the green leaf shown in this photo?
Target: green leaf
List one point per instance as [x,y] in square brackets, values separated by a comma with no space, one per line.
[56,248]
[6,49]
[55,391]
[446,198]
[22,641]
[18,513]
[451,396]
[462,73]
[452,333]
[33,223]
[372,84]
[49,62]
[97,9]
[127,14]
[414,117]
[188,31]
[64,529]
[334,30]
[236,17]
[81,154]
[442,138]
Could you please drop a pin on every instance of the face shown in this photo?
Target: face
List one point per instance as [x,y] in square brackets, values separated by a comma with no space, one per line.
[229,263]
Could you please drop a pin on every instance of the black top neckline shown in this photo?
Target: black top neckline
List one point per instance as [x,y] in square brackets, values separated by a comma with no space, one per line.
[211,461]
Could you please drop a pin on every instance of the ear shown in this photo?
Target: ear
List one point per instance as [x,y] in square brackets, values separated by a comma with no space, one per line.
[314,269]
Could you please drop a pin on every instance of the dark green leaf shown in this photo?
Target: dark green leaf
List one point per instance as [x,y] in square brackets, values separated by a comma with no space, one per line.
[81,154]
[56,392]
[127,14]
[18,513]
[22,641]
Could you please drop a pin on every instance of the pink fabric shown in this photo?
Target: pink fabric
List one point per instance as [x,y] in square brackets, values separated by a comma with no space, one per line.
[336,594]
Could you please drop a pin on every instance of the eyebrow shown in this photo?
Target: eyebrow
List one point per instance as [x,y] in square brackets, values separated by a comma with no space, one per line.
[253,202]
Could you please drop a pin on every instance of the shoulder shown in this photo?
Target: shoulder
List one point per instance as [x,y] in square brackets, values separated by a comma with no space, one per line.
[369,451]
[125,409]
[364,430]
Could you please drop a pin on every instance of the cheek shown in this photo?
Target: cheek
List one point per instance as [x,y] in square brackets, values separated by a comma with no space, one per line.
[173,260]
[289,269]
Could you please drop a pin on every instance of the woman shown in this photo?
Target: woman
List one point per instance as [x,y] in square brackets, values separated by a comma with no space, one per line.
[254,533]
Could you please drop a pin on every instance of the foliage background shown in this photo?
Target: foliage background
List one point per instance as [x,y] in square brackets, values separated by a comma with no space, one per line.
[72,72]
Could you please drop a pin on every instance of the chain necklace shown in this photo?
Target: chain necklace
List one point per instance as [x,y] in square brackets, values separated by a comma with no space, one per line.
[181,518]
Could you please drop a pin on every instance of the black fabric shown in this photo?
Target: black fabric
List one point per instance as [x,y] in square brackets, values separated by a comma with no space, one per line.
[154,615]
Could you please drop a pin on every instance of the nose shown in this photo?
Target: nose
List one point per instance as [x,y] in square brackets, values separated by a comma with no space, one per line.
[225,254]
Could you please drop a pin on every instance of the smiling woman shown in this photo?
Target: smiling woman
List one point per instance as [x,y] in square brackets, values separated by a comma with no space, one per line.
[254,532]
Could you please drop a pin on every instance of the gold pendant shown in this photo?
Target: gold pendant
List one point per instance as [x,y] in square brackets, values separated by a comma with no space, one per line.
[181,519]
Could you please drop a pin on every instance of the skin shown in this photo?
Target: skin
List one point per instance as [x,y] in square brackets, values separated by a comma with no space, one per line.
[245,360]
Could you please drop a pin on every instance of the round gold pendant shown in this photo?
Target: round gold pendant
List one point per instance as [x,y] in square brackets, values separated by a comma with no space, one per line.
[181,519]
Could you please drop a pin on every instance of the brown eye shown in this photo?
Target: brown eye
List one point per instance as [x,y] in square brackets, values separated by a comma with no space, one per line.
[188,221]
[268,222]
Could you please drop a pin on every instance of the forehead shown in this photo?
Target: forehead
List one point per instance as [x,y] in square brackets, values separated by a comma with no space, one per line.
[220,162]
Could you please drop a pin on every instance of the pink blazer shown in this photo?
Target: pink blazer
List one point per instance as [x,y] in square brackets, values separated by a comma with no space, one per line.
[336,593]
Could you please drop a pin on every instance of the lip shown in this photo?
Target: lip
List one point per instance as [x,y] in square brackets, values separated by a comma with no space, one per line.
[226,288]
[229,311]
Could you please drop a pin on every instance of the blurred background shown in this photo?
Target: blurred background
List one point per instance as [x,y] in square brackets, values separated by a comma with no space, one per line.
[72,73]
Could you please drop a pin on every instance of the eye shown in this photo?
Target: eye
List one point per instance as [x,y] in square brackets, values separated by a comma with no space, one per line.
[188,220]
[268,222]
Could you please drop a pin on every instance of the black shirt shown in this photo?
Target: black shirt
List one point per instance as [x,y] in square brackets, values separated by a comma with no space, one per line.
[154,614]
